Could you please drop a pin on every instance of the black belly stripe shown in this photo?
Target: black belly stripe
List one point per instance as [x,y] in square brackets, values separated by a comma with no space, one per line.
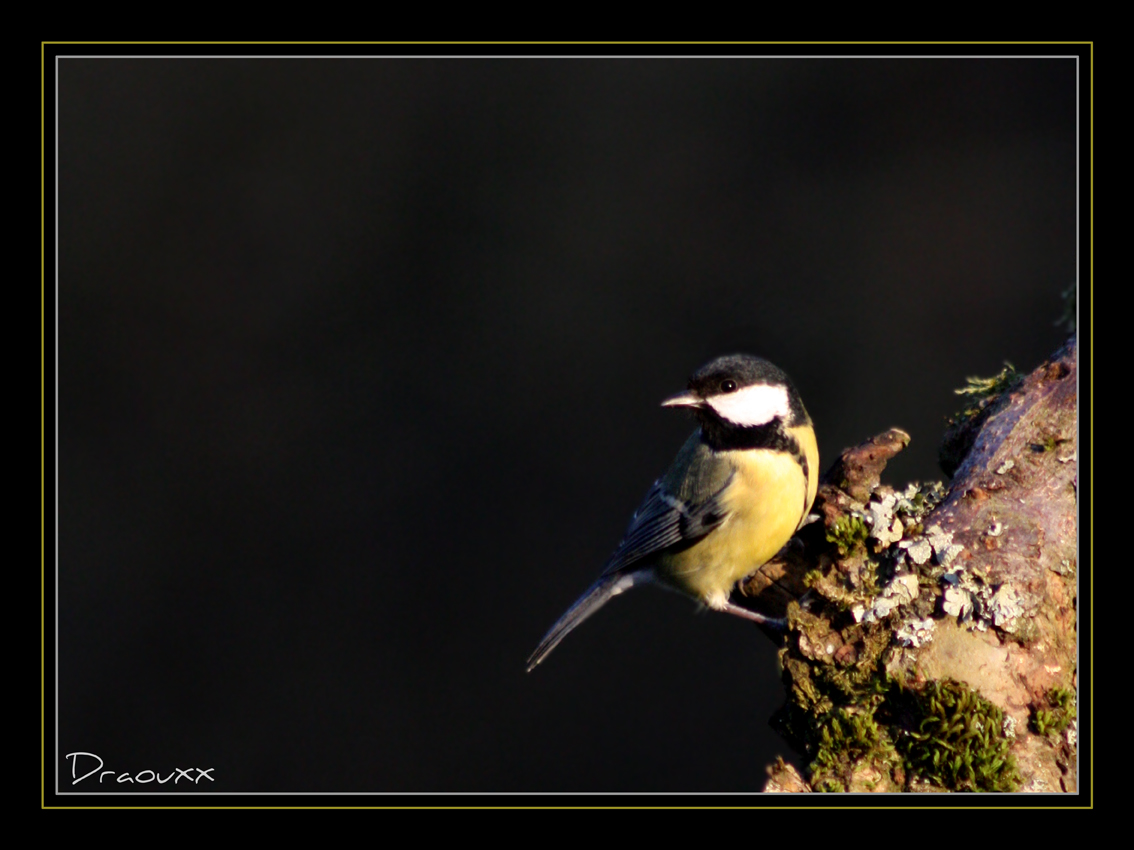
[801,459]
[726,436]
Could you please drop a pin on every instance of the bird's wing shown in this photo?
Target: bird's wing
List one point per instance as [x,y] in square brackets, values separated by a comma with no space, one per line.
[664,520]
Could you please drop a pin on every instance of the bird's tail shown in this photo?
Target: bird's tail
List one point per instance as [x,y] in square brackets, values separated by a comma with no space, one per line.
[599,593]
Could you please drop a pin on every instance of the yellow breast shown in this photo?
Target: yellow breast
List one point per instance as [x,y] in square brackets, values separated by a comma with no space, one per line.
[767,499]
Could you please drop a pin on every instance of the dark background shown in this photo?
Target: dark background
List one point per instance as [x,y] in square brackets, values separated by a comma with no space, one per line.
[359,372]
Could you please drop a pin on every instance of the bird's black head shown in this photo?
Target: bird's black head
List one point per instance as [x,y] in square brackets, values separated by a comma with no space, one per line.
[742,399]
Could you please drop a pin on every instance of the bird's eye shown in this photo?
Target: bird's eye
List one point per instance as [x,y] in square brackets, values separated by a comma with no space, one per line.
[728,386]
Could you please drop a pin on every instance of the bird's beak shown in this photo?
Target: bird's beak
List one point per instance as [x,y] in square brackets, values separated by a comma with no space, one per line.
[685,399]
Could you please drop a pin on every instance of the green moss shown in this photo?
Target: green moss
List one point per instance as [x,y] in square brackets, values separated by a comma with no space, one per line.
[851,744]
[835,680]
[978,391]
[1064,699]
[917,501]
[1025,631]
[812,577]
[851,670]
[1049,444]
[950,735]
[835,587]
[1057,715]
[981,396]
[849,533]
[943,733]
[860,728]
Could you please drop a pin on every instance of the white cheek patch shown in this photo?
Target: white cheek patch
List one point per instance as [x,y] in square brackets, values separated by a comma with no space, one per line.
[758,404]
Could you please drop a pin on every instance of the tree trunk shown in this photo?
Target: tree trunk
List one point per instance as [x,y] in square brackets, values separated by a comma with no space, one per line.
[932,632]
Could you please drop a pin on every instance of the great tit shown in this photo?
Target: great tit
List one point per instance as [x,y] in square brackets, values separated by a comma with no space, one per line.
[740,487]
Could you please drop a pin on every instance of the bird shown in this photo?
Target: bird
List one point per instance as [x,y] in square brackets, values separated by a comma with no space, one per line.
[738,490]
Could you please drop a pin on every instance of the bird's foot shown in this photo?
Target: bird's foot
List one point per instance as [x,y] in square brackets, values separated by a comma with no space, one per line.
[779,624]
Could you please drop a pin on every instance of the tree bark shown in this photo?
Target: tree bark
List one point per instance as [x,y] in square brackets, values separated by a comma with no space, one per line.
[932,632]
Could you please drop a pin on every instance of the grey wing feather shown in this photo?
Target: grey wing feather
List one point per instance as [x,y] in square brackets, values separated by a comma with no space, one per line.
[663,520]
